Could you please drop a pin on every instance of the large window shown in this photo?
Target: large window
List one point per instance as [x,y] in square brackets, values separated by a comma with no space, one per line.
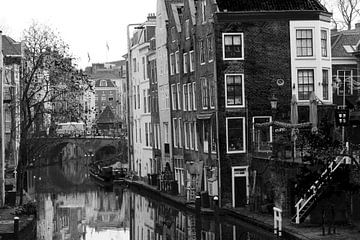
[205,135]
[177,63]
[304,43]
[324,43]
[203,10]
[191,103]
[172,64]
[180,138]
[194,94]
[202,51]
[174,96]
[325,84]
[192,61]
[175,132]
[178,96]
[185,97]
[345,76]
[235,132]
[233,46]
[187,28]
[204,93]
[210,48]
[186,62]
[234,94]
[305,83]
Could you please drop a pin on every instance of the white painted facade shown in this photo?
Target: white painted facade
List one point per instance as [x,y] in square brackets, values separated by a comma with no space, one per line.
[316,62]
[163,83]
[140,85]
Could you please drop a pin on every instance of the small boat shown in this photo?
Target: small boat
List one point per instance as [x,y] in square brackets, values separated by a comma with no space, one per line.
[102,176]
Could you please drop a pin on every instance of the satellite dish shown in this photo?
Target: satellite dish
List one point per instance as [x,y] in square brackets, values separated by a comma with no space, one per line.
[280,82]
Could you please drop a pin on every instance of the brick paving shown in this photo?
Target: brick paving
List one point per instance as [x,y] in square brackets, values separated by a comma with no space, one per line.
[266,221]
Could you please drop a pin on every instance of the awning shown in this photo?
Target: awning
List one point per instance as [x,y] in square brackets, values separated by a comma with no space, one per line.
[204,116]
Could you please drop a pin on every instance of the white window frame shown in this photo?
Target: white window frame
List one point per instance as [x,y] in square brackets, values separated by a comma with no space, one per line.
[185,62]
[173,102]
[172,72]
[203,11]
[297,82]
[190,135]
[194,96]
[192,60]
[189,97]
[351,84]
[180,135]
[202,51]
[175,138]
[187,29]
[313,42]
[253,129]
[242,90]
[177,62]
[242,45]
[185,134]
[178,96]
[196,137]
[227,135]
[327,42]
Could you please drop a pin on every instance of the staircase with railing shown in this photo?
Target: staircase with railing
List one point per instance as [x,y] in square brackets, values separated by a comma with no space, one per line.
[309,199]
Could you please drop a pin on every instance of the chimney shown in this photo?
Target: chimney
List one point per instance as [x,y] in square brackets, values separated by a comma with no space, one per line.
[151,16]
[357,26]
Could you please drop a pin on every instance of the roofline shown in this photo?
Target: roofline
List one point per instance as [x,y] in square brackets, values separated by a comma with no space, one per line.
[285,14]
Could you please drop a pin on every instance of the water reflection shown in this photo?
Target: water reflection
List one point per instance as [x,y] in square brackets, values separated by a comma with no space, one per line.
[71,207]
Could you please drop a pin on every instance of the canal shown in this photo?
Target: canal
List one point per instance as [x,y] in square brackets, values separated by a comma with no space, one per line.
[71,206]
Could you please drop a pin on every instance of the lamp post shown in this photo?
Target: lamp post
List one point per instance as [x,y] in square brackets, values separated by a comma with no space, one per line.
[273,104]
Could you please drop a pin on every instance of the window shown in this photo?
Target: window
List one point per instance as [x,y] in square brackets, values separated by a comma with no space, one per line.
[195,137]
[187,29]
[103,98]
[191,135]
[166,132]
[177,63]
[204,92]
[324,43]
[233,46]
[178,96]
[234,95]
[138,92]
[202,51]
[192,61]
[203,11]
[174,96]
[262,137]
[235,134]
[144,102]
[186,62]
[173,34]
[136,131]
[185,97]
[175,132]
[191,103]
[143,68]
[180,139]
[134,64]
[194,95]
[146,135]
[205,136]
[210,49]
[325,84]
[345,76]
[304,43]
[212,96]
[186,135]
[172,64]
[305,83]
[103,83]
[135,98]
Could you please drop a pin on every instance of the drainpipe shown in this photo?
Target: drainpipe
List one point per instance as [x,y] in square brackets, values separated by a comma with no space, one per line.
[2,132]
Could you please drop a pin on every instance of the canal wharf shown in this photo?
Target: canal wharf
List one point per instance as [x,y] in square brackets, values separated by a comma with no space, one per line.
[26,225]
[290,231]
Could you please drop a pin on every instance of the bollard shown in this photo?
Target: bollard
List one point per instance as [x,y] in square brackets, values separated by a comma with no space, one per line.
[16,228]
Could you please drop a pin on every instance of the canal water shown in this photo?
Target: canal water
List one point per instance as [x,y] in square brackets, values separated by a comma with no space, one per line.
[71,206]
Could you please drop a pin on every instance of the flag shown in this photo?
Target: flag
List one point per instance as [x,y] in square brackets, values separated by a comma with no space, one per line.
[88,57]
[107,46]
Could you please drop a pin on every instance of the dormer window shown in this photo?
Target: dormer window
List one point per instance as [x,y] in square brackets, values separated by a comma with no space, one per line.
[103,83]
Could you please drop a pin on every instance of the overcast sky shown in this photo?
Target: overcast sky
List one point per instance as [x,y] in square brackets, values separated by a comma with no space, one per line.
[87,25]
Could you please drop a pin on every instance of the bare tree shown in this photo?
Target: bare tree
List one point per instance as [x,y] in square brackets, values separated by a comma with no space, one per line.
[50,89]
[349,10]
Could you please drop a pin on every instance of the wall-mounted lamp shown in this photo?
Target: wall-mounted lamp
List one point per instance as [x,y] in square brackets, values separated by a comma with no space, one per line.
[273,102]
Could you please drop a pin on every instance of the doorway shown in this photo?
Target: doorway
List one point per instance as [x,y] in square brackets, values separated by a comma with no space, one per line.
[240,186]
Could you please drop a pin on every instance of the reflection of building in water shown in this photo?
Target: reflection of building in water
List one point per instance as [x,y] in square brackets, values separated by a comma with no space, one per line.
[144,218]
[72,159]
[67,216]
